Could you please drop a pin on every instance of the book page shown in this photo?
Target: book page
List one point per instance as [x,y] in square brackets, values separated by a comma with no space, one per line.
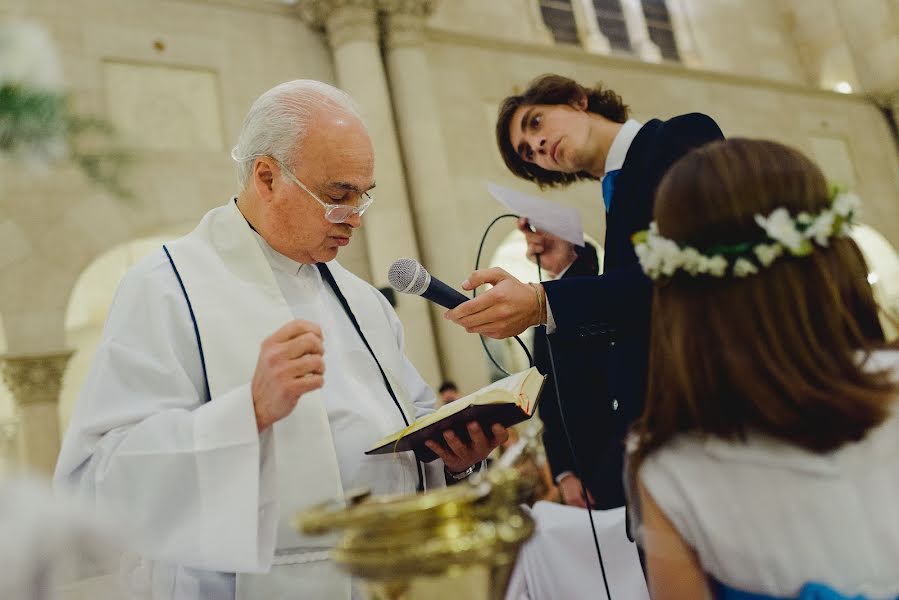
[506,390]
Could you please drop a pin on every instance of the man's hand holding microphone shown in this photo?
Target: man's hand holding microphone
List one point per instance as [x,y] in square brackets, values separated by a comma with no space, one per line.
[511,306]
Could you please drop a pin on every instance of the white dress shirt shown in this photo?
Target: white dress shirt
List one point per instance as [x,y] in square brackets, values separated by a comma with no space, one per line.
[614,160]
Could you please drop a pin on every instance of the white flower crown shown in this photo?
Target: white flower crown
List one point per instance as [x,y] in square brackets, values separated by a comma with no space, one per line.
[661,257]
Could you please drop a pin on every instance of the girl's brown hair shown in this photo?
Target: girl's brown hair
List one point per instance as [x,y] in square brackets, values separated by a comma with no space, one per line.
[776,352]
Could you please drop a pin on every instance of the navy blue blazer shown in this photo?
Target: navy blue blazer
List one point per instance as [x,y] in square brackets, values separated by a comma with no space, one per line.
[615,307]
[580,384]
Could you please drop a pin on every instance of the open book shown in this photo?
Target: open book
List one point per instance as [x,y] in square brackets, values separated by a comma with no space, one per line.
[508,401]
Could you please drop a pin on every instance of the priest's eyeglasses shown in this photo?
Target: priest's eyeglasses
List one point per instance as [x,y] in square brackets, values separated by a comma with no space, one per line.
[335,213]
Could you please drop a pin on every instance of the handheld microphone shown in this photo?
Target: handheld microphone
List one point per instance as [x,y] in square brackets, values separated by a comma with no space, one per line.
[406,275]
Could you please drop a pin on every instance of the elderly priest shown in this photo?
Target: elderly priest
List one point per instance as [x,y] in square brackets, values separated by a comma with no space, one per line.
[243,372]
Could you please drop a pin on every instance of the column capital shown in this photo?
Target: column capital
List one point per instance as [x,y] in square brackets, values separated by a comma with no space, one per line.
[36,378]
[415,8]
[342,20]
[404,21]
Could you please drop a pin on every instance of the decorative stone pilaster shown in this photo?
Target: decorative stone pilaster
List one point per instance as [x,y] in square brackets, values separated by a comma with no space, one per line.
[437,218]
[343,20]
[404,21]
[638,32]
[35,382]
[352,28]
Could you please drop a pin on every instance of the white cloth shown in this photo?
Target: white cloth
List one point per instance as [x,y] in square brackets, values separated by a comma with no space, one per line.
[614,160]
[198,482]
[560,560]
[51,548]
[767,517]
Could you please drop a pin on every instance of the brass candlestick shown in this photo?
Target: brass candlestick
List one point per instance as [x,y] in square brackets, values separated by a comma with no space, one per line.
[450,543]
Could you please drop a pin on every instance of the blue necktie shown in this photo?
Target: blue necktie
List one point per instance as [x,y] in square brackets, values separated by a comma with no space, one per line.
[608,188]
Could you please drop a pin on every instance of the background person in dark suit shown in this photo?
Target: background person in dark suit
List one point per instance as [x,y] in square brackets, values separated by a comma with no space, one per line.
[580,383]
[556,133]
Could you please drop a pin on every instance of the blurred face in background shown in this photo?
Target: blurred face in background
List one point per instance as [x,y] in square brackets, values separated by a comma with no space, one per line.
[448,395]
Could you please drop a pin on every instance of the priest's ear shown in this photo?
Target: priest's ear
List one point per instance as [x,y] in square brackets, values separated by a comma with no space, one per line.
[264,177]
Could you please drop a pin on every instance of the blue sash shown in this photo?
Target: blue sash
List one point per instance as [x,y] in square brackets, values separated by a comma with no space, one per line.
[810,591]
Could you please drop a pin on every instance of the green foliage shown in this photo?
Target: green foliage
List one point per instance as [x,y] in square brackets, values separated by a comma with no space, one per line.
[40,126]
[29,120]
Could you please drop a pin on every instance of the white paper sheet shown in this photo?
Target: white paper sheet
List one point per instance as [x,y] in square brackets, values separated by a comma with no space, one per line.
[557,219]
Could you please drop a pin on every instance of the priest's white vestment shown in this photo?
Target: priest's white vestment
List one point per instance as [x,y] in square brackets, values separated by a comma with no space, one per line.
[164,431]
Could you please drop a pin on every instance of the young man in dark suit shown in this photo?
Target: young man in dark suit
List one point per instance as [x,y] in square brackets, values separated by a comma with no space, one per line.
[556,133]
[580,383]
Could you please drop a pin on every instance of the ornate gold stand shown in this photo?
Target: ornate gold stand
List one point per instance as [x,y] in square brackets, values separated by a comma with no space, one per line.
[452,543]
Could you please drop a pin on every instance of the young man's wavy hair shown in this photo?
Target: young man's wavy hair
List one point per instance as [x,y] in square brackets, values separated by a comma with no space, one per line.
[781,352]
[553,89]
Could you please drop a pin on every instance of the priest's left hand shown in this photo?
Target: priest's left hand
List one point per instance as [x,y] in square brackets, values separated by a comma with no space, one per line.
[460,455]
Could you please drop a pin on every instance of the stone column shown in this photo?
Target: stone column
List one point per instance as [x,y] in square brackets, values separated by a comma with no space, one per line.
[35,381]
[436,211]
[588,30]
[638,32]
[352,30]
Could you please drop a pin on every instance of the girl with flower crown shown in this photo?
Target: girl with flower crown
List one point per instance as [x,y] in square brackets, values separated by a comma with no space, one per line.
[766,462]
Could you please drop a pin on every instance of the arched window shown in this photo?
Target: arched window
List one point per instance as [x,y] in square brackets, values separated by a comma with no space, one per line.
[610,19]
[559,18]
[658,22]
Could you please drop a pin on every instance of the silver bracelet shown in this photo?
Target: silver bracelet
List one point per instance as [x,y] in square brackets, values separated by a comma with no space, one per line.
[460,476]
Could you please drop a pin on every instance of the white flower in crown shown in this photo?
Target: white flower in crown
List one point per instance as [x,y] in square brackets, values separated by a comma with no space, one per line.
[767,253]
[669,255]
[779,226]
[691,260]
[821,228]
[743,267]
[716,266]
[846,204]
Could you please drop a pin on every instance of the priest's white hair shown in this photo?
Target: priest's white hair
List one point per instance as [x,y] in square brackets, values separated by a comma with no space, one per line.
[278,120]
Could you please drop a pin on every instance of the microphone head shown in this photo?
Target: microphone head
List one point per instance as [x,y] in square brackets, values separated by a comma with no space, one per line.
[406,275]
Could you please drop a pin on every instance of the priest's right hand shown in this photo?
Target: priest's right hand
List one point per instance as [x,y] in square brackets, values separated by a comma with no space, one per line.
[291,363]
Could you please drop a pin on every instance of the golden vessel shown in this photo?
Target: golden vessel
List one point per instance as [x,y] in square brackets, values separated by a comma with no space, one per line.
[450,543]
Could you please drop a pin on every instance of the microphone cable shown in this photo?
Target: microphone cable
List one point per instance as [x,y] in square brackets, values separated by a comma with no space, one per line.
[474,293]
[574,461]
[552,366]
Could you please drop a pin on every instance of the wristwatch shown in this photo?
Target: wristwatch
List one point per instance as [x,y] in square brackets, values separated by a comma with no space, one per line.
[460,476]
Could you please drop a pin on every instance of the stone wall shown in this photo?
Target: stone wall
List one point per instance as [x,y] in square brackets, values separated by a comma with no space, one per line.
[177,76]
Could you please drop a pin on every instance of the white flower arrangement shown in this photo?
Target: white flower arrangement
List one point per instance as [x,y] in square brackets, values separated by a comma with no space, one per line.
[37,127]
[661,257]
[32,115]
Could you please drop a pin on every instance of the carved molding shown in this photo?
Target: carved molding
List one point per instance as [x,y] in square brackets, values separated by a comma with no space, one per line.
[354,20]
[316,13]
[343,20]
[403,30]
[36,378]
[414,8]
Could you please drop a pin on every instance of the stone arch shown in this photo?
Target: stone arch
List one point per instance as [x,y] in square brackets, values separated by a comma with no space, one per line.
[89,302]
[59,227]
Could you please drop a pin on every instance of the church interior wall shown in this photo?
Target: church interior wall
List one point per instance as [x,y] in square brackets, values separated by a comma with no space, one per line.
[477,72]
[177,76]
